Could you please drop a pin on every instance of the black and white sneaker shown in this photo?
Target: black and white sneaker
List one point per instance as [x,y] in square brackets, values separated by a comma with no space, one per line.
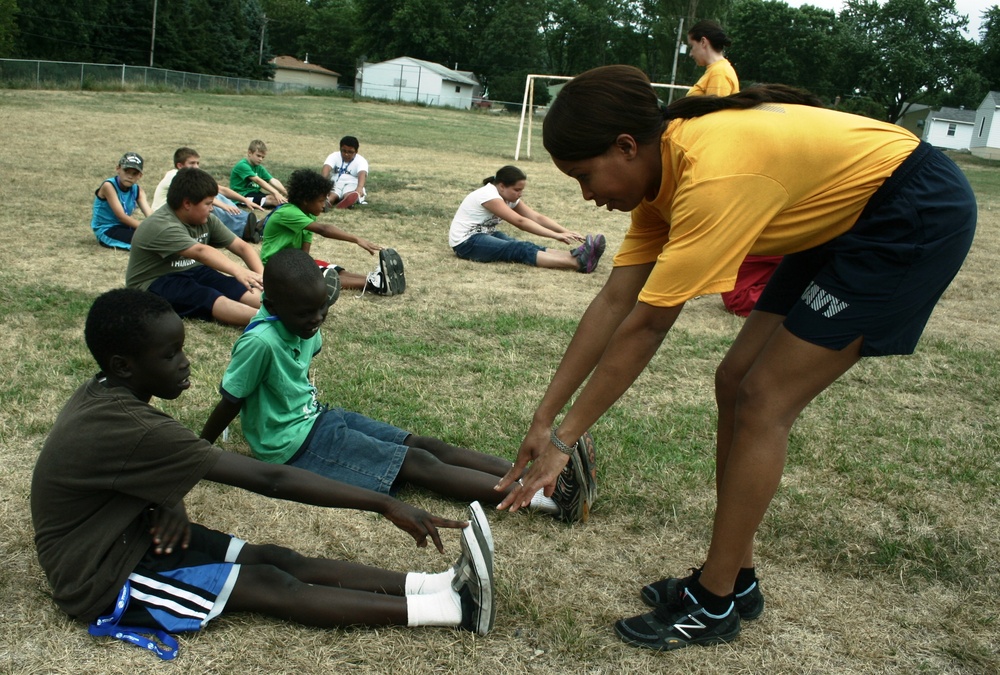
[253,231]
[388,278]
[666,594]
[331,277]
[571,493]
[474,582]
[588,457]
[688,625]
[391,266]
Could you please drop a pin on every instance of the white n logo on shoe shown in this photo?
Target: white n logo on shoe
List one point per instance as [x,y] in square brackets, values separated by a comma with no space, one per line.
[684,628]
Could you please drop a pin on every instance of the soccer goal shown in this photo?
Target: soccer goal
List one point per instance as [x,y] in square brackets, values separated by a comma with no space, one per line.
[529,102]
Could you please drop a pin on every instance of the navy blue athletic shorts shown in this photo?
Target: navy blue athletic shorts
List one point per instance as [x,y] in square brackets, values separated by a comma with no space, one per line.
[192,292]
[881,279]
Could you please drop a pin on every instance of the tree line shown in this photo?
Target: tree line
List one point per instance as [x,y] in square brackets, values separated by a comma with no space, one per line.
[872,58]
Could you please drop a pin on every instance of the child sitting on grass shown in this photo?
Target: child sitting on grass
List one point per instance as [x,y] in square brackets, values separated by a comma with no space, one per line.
[252,180]
[174,255]
[349,172]
[115,201]
[292,226]
[267,383]
[114,539]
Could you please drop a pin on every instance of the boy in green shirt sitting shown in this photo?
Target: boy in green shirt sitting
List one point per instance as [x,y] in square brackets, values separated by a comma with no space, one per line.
[292,226]
[267,384]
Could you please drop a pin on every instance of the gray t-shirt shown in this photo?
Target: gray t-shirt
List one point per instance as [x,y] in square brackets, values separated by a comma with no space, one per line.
[157,243]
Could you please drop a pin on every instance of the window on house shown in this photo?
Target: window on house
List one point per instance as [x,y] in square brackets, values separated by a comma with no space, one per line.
[982,125]
[458,90]
[951,129]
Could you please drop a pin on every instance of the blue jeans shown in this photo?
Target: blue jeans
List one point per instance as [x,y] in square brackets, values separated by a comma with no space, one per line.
[497,247]
[236,223]
[354,449]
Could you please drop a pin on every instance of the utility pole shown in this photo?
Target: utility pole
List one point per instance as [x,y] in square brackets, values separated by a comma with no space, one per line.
[263,25]
[677,51]
[152,40]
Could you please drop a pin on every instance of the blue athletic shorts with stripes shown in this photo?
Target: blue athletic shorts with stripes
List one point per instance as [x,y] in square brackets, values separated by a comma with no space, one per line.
[881,279]
[184,590]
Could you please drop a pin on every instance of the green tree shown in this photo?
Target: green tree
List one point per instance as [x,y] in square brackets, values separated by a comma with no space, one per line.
[911,50]
[503,71]
[8,28]
[801,57]
[58,31]
[989,65]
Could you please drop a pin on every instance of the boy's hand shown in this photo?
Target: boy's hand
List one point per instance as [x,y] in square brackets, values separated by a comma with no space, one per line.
[420,524]
[250,279]
[368,246]
[170,529]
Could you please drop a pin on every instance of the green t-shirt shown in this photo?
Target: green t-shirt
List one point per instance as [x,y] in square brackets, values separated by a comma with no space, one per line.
[268,375]
[157,243]
[285,228]
[239,177]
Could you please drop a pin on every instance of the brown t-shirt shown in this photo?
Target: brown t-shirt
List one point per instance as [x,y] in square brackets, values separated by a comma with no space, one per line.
[108,458]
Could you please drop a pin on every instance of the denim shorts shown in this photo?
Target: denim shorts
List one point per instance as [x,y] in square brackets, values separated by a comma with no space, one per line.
[497,247]
[881,279]
[354,449]
[193,292]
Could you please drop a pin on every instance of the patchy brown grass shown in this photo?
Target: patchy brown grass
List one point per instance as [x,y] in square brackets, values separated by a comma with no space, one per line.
[879,553]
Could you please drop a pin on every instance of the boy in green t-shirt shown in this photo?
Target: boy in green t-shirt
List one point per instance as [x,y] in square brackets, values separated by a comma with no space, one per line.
[250,179]
[292,226]
[267,384]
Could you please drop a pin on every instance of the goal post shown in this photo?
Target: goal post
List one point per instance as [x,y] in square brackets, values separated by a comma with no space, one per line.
[529,102]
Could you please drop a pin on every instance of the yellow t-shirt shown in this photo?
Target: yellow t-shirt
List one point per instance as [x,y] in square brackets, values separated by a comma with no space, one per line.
[771,180]
[719,79]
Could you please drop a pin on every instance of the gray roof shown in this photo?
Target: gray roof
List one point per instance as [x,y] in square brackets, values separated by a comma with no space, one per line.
[954,115]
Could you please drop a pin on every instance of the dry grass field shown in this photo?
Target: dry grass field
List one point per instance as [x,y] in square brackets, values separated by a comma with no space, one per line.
[879,554]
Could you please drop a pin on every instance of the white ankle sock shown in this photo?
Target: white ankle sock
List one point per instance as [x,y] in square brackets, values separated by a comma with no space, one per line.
[544,504]
[436,609]
[421,583]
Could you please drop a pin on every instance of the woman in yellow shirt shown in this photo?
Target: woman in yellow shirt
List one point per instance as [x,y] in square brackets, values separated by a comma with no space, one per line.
[873,225]
[707,41]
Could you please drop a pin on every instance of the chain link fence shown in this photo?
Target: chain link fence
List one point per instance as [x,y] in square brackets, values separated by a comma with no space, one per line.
[24,74]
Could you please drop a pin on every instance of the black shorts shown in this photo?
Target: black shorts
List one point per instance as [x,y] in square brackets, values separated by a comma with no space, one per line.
[881,279]
[193,292]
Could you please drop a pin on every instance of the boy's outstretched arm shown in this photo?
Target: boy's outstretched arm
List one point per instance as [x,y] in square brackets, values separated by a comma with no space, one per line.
[210,257]
[225,412]
[285,482]
[333,232]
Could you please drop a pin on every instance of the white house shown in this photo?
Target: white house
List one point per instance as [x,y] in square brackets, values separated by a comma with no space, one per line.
[408,79]
[949,128]
[289,70]
[986,129]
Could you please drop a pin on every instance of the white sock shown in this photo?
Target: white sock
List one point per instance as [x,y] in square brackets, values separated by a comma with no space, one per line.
[543,503]
[421,583]
[436,609]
